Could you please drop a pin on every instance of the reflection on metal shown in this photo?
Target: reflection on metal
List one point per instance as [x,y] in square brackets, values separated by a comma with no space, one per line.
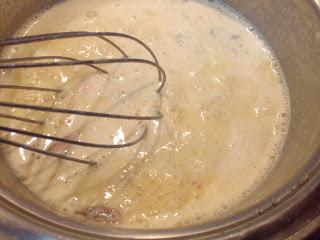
[317,2]
[11,231]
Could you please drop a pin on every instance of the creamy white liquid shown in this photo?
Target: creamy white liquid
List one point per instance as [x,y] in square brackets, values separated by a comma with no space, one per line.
[225,107]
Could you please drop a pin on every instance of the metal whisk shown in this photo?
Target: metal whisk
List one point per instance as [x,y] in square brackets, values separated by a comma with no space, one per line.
[58,61]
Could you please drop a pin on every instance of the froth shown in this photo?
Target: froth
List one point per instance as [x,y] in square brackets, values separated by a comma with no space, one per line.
[225,106]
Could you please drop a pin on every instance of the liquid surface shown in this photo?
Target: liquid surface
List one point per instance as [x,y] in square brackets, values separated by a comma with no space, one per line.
[225,107]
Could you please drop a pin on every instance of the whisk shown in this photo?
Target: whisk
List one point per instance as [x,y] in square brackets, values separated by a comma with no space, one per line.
[59,61]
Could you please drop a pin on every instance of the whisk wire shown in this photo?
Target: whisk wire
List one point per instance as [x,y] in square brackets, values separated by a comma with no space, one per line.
[69,35]
[63,61]
[4,63]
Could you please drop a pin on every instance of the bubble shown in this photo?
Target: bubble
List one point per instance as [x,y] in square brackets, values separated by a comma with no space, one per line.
[92,14]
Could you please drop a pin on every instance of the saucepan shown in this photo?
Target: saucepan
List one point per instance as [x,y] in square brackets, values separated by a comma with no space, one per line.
[285,205]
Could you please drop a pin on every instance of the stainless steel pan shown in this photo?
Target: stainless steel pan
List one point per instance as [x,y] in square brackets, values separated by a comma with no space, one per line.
[287,200]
